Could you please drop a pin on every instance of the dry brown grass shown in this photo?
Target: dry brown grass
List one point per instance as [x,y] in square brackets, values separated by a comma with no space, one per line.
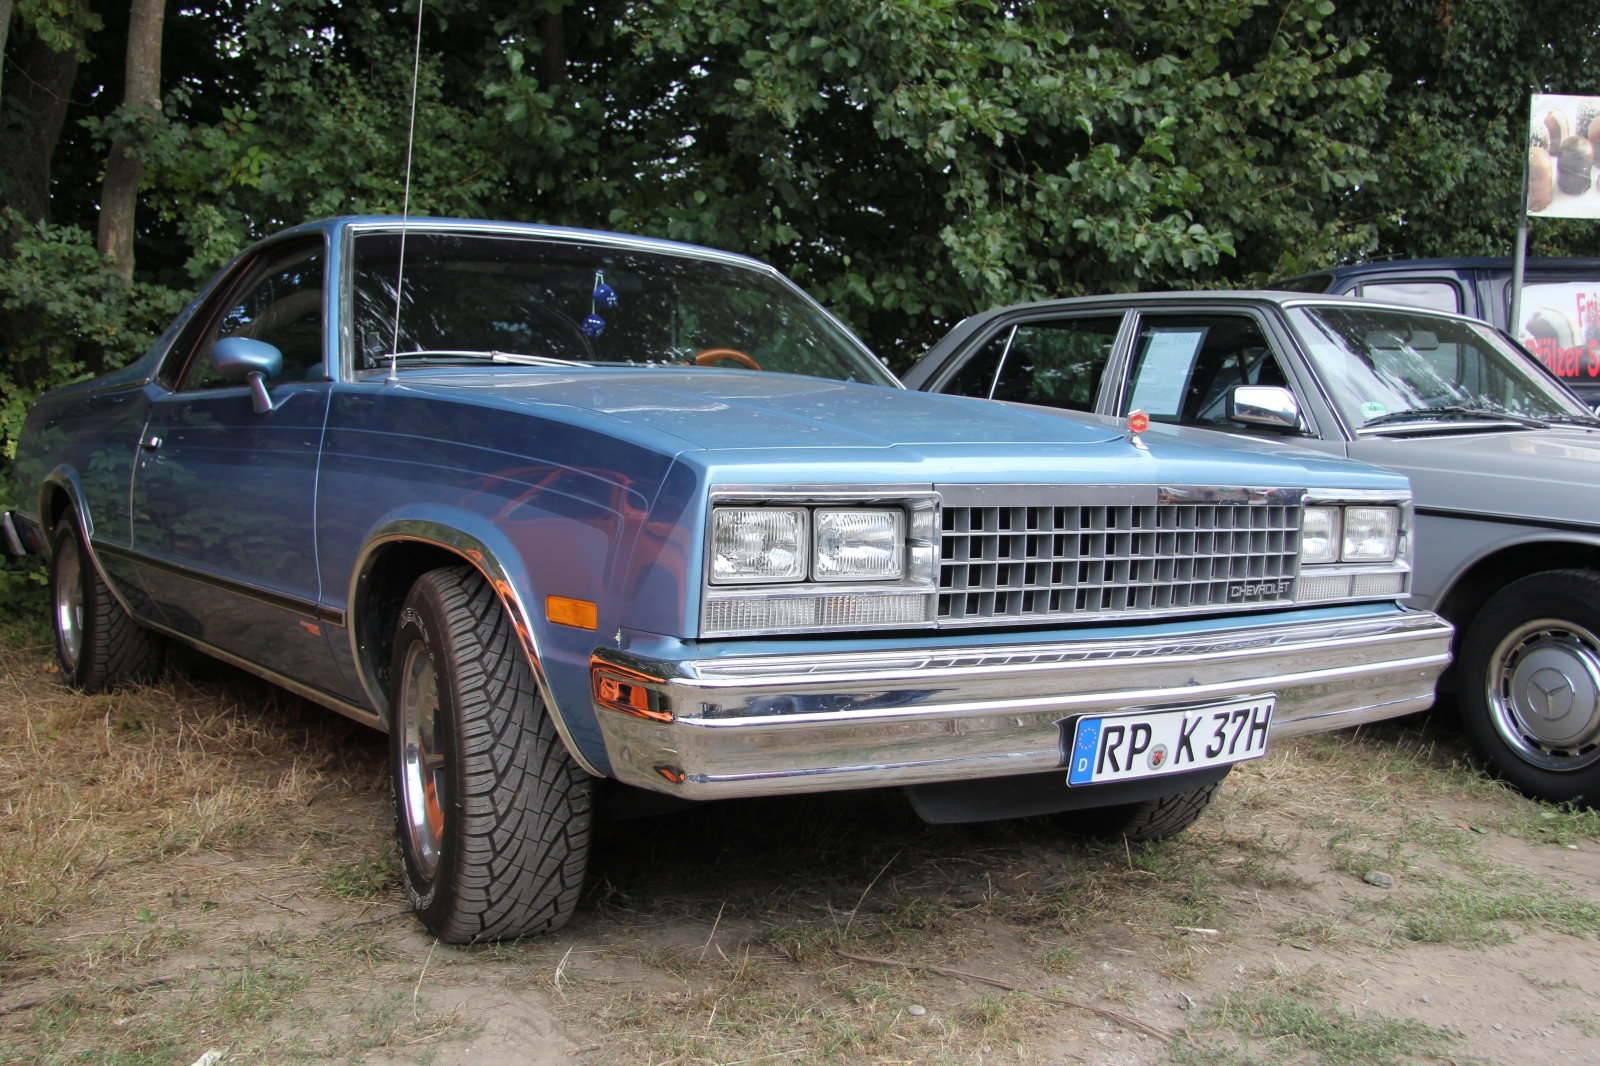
[192,858]
[98,789]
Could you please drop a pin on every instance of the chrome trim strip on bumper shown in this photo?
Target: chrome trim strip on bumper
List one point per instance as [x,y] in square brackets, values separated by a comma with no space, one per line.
[763,725]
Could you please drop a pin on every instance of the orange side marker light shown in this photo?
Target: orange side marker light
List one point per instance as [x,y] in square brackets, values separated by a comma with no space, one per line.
[568,612]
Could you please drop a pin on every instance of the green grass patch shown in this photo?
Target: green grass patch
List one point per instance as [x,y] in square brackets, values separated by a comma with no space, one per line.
[1462,913]
[371,877]
[1296,1027]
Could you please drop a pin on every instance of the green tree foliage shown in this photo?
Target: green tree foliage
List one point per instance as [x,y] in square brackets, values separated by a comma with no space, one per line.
[1450,135]
[907,161]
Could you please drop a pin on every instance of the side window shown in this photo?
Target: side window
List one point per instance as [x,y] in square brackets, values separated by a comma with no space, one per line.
[1433,295]
[1058,363]
[976,376]
[281,306]
[1184,368]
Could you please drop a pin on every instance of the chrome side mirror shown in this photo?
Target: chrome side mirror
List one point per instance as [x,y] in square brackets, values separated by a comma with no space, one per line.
[1264,405]
[247,359]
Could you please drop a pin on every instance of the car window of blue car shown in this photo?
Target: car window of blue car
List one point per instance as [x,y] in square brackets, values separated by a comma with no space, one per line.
[1433,295]
[1378,363]
[1185,367]
[473,295]
[1056,363]
[281,303]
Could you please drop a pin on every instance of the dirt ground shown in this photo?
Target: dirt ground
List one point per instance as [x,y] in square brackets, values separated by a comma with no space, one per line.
[205,864]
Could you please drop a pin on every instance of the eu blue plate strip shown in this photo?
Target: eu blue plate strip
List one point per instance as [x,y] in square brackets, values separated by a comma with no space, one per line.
[1083,752]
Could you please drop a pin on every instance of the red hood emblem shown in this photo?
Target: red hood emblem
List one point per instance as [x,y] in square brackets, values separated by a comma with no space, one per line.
[1138,422]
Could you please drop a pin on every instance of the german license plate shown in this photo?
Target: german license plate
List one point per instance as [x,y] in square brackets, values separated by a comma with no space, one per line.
[1122,747]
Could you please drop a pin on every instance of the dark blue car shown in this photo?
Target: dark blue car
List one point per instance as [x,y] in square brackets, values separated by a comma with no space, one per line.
[1560,303]
[572,513]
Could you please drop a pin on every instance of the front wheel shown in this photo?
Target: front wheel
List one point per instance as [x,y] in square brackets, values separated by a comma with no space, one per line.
[1530,696]
[98,645]
[491,812]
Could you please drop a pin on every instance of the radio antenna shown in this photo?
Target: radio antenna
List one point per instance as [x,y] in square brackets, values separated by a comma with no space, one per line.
[405,202]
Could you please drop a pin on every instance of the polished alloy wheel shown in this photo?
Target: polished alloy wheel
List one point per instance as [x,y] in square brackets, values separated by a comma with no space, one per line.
[422,773]
[69,600]
[1544,693]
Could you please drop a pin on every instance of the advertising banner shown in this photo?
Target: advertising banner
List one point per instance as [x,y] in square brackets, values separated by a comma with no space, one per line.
[1561,326]
[1563,140]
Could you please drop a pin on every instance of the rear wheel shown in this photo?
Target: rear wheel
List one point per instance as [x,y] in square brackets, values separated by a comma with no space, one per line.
[1153,819]
[491,812]
[1530,691]
[98,645]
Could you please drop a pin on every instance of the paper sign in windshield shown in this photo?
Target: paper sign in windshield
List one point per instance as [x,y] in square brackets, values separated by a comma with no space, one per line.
[1164,372]
[1563,140]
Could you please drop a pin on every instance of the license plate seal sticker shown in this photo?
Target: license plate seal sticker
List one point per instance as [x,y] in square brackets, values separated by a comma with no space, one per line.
[1138,744]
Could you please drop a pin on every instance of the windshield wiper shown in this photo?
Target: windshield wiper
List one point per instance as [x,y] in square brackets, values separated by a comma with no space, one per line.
[1454,411]
[1573,420]
[515,358]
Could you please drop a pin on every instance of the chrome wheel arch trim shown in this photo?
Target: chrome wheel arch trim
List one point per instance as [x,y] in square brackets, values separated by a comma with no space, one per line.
[66,479]
[474,552]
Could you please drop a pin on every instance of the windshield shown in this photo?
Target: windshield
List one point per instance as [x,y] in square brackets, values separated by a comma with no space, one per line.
[1381,365]
[470,297]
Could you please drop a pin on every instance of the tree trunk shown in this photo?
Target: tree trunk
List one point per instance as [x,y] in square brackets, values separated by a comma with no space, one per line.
[5,26]
[35,108]
[120,194]
[553,60]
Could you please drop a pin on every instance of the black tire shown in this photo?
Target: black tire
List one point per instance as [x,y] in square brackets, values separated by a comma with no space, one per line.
[492,814]
[1154,819]
[98,645]
[1542,736]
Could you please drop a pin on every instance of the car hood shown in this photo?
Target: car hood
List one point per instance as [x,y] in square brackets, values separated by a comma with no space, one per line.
[1524,473]
[719,409]
[758,426]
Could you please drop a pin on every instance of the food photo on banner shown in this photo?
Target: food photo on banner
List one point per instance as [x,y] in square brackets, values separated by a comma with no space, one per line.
[1559,320]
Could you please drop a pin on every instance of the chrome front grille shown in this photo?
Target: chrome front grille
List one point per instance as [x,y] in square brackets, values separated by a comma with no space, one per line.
[1029,563]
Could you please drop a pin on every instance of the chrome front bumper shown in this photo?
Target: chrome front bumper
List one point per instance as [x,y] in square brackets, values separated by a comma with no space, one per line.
[765,725]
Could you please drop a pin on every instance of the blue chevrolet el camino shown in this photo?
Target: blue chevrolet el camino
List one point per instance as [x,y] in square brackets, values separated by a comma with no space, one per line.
[579,506]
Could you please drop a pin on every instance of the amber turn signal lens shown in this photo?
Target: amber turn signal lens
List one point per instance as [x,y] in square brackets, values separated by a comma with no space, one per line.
[579,613]
[618,692]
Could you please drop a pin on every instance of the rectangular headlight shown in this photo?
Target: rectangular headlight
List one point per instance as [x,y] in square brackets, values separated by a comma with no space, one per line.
[1371,534]
[1319,535]
[859,545]
[754,545]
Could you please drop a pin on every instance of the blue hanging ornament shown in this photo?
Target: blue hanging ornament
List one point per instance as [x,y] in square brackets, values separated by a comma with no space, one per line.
[605,295]
[593,326]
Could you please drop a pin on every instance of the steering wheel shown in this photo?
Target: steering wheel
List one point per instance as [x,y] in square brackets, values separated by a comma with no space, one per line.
[711,356]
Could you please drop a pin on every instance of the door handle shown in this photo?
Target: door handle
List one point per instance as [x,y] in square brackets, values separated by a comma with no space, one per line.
[150,443]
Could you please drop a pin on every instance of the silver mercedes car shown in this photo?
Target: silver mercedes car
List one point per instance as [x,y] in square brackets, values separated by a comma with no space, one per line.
[1504,463]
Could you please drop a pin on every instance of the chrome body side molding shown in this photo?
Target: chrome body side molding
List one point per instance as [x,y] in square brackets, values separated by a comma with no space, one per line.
[315,695]
[779,724]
